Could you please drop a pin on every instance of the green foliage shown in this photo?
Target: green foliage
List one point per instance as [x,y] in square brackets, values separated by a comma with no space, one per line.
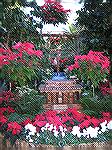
[93,106]
[96,20]
[16,117]
[19,27]
[30,103]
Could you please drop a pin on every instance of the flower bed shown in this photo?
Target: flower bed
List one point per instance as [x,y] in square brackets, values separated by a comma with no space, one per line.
[68,127]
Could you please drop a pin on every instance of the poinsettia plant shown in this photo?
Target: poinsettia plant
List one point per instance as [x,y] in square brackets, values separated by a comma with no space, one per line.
[17,63]
[94,67]
[54,13]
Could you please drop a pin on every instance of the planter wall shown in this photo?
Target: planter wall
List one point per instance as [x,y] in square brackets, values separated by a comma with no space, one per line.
[25,146]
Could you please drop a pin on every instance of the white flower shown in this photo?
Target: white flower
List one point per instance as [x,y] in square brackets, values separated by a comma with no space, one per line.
[55,133]
[90,131]
[79,134]
[93,132]
[76,128]
[76,131]
[37,134]
[99,132]
[31,140]
[84,133]
[63,134]
[50,127]
[61,128]
[43,128]
[28,137]
[31,133]
[47,125]
[54,127]
[103,123]
[65,130]
[31,128]
[109,125]
[103,126]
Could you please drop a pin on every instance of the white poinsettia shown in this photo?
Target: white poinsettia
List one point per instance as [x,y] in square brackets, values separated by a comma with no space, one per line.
[47,125]
[50,128]
[109,125]
[31,128]
[103,126]
[55,133]
[76,131]
[64,129]
[63,134]
[85,133]
[61,128]
[31,141]
[43,129]
[92,132]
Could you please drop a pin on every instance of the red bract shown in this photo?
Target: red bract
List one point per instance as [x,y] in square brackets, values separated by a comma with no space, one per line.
[3,109]
[38,53]
[55,120]
[7,109]
[105,89]
[3,119]
[85,123]
[51,113]
[70,68]
[95,122]
[10,109]
[14,127]
[1,100]
[93,57]
[27,45]
[25,122]
[49,1]
[17,45]
[6,96]
[106,114]
[39,123]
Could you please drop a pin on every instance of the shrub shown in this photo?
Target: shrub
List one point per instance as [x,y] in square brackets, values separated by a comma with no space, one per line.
[93,106]
[29,102]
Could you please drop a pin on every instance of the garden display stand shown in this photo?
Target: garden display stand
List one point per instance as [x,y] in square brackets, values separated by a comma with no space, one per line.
[61,92]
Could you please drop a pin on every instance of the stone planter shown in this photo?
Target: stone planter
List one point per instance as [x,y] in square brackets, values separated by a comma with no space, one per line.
[25,146]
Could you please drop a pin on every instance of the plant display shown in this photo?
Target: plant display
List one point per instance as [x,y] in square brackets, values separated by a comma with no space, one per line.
[17,64]
[94,67]
[96,20]
[71,126]
[27,60]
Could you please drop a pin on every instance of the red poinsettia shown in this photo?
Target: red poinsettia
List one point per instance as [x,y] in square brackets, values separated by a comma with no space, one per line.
[3,119]
[59,14]
[95,122]
[3,109]
[10,109]
[85,123]
[105,89]
[39,123]
[25,122]
[14,127]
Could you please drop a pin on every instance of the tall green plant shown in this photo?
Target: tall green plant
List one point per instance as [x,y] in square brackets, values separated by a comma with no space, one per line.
[96,20]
